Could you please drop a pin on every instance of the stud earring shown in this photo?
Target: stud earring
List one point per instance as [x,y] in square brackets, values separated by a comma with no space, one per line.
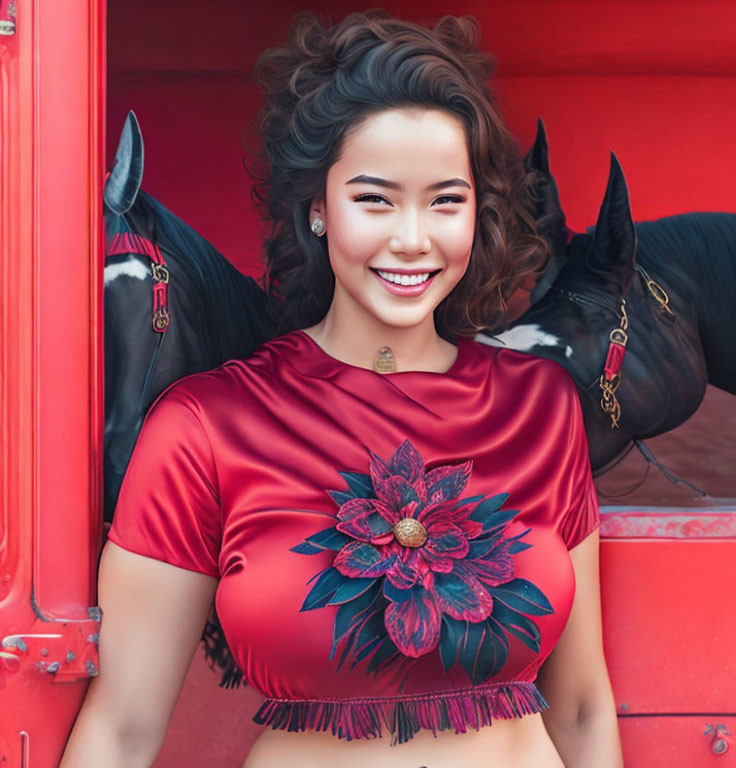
[318,227]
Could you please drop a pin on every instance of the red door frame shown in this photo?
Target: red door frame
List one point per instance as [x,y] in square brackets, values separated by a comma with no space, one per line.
[52,90]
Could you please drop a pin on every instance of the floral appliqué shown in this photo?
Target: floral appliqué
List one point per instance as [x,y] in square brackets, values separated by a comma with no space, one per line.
[416,566]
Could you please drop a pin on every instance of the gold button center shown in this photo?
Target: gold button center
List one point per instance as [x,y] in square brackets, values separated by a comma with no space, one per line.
[410,532]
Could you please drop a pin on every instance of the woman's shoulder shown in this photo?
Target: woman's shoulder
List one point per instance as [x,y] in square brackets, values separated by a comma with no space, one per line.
[202,389]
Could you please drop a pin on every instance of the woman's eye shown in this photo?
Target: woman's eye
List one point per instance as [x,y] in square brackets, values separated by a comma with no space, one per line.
[370,198]
[449,199]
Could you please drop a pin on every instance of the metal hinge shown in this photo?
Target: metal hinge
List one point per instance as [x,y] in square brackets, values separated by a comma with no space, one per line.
[67,652]
[7,17]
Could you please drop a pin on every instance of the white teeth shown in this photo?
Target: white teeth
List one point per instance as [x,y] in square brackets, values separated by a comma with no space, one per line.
[393,277]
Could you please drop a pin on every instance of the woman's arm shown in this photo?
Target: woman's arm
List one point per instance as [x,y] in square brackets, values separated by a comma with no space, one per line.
[574,679]
[153,615]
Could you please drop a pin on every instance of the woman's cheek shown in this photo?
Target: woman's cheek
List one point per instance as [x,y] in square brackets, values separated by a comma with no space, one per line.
[456,237]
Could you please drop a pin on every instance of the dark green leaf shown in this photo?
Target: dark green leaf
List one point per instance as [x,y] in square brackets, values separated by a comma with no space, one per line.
[350,615]
[327,584]
[493,653]
[488,506]
[329,538]
[498,520]
[305,548]
[394,594]
[340,497]
[350,590]
[523,596]
[365,651]
[469,650]
[482,546]
[384,655]
[361,485]
[518,546]
[518,625]
[451,636]
[470,500]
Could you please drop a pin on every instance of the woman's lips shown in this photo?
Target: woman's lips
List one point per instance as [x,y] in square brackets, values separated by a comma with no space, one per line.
[406,290]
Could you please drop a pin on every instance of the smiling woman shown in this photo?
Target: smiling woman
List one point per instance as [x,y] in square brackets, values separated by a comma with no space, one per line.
[328,85]
[398,523]
[396,254]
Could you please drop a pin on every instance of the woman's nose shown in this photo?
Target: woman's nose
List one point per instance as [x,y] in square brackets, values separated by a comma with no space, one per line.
[411,236]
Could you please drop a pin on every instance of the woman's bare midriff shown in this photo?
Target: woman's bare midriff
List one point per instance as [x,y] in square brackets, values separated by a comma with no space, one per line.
[517,743]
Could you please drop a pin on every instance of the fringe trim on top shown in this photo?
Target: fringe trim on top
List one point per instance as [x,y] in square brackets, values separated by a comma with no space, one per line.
[403,716]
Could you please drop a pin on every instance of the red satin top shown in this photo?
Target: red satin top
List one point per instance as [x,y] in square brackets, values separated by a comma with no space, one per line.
[392,549]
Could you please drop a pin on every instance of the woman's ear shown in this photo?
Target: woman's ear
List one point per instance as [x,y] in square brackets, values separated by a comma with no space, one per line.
[317,219]
[317,209]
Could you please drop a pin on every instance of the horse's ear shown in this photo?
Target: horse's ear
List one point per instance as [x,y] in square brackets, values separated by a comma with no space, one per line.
[548,213]
[123,183]
[537,158]
[613,248]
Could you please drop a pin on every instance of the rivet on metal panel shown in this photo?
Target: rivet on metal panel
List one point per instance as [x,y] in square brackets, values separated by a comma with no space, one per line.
[720,746]
[721,740]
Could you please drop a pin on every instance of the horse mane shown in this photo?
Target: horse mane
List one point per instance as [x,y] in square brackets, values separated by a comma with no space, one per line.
[703,244]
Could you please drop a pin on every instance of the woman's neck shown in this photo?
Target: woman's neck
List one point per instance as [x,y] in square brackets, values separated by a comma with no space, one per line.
[357,342]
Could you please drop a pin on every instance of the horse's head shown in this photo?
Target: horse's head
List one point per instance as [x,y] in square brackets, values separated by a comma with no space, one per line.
[571,322]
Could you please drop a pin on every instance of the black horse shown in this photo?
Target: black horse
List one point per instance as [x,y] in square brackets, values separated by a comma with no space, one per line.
[173,306]
[678,278]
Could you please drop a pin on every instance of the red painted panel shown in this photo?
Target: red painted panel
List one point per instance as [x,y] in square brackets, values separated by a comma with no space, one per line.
[551,37]
[650,742]
[669,624]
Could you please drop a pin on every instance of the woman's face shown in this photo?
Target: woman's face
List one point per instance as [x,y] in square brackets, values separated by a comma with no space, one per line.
[399,208]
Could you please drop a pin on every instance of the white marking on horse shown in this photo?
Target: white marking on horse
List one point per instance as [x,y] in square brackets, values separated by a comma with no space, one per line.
[524,338]
[133,267]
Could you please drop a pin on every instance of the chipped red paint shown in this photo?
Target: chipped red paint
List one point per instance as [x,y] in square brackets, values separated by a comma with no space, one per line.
[660,522]
[66,651]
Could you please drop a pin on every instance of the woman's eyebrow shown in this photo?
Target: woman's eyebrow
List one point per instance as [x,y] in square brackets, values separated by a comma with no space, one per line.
[379,182]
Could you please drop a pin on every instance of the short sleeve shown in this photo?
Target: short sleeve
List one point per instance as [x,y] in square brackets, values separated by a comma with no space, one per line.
[581,514]
[168,507]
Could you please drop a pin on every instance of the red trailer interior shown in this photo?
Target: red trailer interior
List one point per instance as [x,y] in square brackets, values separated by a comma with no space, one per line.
[653,81]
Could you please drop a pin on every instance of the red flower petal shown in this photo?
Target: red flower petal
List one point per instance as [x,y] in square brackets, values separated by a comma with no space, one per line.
[399,495]
[414,625]
[471,528]
[366,520]
[438,511]
[448,482]
[379,472]
[402,576]
[407,462]
[355,558]
[445,540]
[496,568]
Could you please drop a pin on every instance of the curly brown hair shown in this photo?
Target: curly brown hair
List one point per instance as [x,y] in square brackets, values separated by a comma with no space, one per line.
[325,81]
